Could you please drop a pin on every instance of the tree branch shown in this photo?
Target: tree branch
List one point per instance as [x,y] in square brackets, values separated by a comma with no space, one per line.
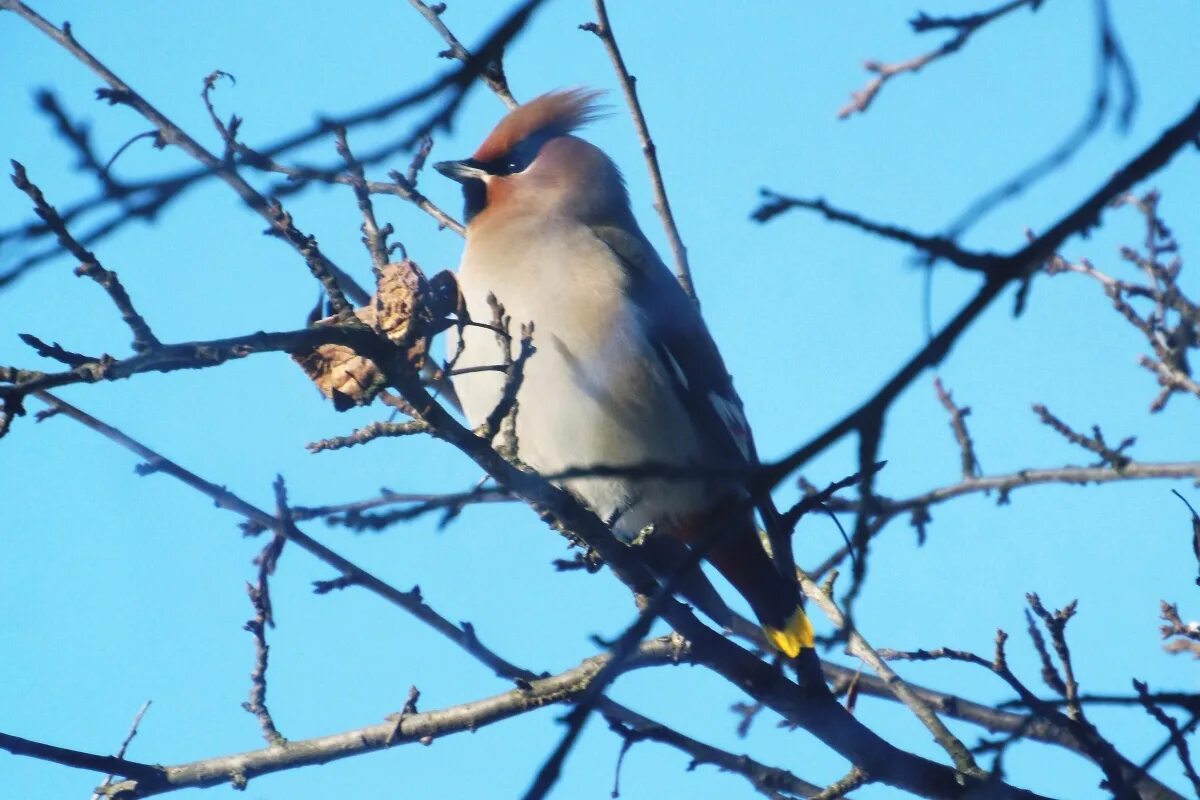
[165,190]
[237,769]
[491,74]
[963,27]
[89,265]
[1009,269]
[351,574]
[603,30]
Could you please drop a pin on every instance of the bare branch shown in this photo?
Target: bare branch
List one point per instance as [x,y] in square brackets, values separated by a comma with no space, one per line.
[603,30]
[848,783]
[633,727]
[1012,268]
[402,186]
[958,424]
[264,617]
[1171,326]
[1177,739]
[1045,723]
[963,27]
[89,265]
[492,73]
[356,516]
[1112,63]
[857,646]
[1094,443]
[1056,625]
[123,94]
[376,430]
[133,731]
[514,375]
[374,238]
[354,575]
[237,769]
[775,204]
[1183,637]
[163,191]
[188,355]
[78,759]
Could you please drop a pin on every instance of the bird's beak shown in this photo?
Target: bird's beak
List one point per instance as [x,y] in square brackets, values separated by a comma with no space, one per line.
[461,171]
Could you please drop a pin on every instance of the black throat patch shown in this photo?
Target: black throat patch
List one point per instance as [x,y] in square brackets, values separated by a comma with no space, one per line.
[474,198]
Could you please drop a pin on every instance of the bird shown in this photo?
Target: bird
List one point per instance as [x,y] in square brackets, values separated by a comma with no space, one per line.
[625,373]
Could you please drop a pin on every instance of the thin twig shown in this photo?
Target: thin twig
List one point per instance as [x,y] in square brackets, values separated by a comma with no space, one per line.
[1183,637]
[1095,443]
[963,27]
[1112,60]
[513,378]
[355,516]
[374,237]
[16,383]
[1010,269]
[958,424]
[491,73]
[1175,733]
[456,82]
[858,646]
[264,616]
[89,265]
[773,204]
[409,601]
[418,727]
[133,731]
[1056,624]
[1172,324]
[401,185]
[847,783]
[633,727]
[121,93]
[1046,723]
[887,509]
[603,30]
[368,433]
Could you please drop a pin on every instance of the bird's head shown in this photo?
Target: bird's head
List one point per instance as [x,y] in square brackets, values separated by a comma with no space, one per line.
[530,164]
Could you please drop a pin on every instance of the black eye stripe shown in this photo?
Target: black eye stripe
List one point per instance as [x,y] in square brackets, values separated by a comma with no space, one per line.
[514,162]
[517,159]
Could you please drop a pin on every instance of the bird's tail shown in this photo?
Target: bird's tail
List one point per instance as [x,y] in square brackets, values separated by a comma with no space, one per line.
[795,635]
[738,554]
[797,631]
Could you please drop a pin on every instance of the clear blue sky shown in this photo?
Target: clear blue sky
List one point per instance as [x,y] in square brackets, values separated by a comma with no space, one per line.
[116,589]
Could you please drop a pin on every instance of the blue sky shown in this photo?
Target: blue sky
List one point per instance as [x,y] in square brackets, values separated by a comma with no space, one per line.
[116,589]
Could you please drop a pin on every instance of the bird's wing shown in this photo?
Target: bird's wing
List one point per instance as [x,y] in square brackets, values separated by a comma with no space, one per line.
[693,363]
[683,344]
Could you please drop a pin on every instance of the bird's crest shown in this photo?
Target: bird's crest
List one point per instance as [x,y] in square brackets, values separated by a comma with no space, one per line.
[552,114]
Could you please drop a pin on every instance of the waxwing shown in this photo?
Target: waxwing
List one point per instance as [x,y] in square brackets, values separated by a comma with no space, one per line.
[625,373]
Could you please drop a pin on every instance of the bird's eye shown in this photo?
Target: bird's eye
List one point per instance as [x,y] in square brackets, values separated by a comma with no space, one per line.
[519,159]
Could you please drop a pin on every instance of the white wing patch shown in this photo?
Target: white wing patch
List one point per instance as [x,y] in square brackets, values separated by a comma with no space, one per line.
[735,421]
[678,369]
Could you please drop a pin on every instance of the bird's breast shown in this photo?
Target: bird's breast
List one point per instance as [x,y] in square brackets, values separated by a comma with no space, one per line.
[594,393]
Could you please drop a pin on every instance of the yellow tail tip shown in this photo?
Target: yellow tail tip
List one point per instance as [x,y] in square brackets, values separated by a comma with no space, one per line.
[797,634]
